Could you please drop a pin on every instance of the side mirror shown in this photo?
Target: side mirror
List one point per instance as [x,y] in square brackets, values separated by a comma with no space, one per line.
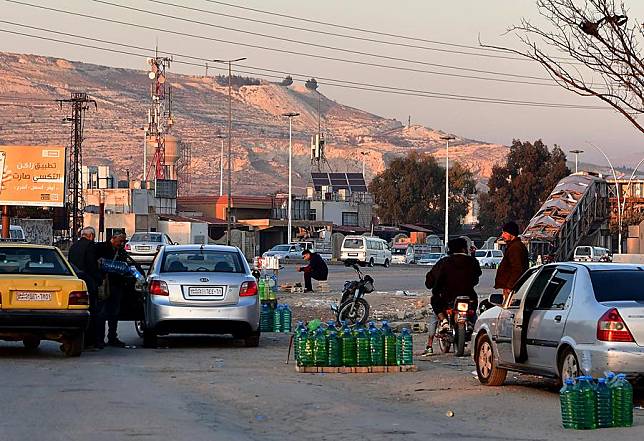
[496,299]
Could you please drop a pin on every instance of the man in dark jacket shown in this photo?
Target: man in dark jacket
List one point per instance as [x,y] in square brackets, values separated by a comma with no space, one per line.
[83,255]
[316,269]
[452,276]
[113,250]
[515,259]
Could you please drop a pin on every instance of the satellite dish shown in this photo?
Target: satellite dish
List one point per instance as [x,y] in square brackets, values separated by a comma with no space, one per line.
[161,79]
[152,75]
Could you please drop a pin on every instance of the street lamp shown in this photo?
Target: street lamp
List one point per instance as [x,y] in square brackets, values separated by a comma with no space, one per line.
[617,190]
[290,116]
[576,153]
[364,158]
[230,134]
[447,140]
[221,165]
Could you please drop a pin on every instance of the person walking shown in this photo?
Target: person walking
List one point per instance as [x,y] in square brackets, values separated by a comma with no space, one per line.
[113,250]
[515,260]
[83,255]
[316,269]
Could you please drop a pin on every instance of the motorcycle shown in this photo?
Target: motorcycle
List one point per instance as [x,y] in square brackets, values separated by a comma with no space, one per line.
[353,308]
[461,318]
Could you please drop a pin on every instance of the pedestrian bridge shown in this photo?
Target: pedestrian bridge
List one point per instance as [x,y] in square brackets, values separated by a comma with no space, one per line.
[575,213]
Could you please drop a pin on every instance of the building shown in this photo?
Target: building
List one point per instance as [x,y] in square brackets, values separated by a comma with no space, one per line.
[341,199]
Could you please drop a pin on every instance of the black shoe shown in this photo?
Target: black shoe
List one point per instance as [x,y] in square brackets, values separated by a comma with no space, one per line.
[308,290]
[116,343]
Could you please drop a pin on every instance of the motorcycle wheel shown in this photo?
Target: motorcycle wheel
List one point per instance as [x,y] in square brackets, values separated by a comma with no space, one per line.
[354,315]
[459,343]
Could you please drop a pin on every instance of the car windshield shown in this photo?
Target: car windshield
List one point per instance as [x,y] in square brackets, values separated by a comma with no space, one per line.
[399,251]
[143,237]
[198,260]
[583,251]
[353,243]
[480,254]
[42,261]
[618,285]
[281,248]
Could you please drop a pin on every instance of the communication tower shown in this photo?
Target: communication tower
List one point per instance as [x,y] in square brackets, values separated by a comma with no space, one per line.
[159,122]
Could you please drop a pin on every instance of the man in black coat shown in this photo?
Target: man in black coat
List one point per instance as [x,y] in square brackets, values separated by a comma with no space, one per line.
[83,255]
[515,260]
[316,269]
[116,285]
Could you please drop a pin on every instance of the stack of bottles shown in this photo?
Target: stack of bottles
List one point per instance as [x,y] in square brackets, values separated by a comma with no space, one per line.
[267,288]
[586,404]
[278,319]
[337,345]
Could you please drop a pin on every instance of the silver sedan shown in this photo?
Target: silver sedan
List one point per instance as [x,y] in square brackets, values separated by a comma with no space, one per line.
[562,320]
[142,247]
[195,289]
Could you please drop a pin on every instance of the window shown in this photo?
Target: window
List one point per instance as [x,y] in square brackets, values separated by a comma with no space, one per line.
[355,244]
[280,248]
[350,219]
[145,237]
[521,288]
[582,251]
[539,284]
[557,292]
[313,215]
[618,285]
[479,254]
[497,253]
[202,261]
[46,261]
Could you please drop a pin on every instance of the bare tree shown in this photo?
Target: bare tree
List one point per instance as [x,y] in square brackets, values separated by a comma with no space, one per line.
[592,48]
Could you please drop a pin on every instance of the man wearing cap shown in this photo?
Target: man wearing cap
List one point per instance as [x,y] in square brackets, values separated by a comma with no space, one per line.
[514,262]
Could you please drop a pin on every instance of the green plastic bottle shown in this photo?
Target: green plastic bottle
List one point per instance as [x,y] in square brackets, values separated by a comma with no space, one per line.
[363,354]
[330,327]
[389,345]
[277,319]
[305,349]
[348,348]
[265,316]
[399,349]
[604,405]
[622,402]
[406,348]
[585,404]
[335,349]
[261,289]
[567,401]
[296,338]
[320,349]
[269,294]
[376,347]
[287,318]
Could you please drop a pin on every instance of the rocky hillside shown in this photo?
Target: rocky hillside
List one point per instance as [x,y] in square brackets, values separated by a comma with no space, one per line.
[113,132]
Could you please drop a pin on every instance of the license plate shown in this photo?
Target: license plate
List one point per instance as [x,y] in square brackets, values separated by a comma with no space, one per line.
[143,248]
[353,254]
[215,291]
[33,296]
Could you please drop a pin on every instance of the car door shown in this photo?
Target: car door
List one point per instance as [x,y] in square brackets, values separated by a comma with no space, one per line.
[546,324]
[524,314]
[505,320]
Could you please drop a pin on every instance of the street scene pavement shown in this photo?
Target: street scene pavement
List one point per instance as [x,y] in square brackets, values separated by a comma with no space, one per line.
[205,388]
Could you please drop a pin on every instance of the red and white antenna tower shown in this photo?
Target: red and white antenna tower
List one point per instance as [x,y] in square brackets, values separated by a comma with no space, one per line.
[159,118]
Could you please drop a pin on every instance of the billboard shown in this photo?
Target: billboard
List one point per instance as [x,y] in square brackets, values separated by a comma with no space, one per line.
[32,175]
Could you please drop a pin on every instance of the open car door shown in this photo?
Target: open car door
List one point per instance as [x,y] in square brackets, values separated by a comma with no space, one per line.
[132,301]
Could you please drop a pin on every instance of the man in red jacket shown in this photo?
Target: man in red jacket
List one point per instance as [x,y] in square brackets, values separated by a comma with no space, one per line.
[515,259]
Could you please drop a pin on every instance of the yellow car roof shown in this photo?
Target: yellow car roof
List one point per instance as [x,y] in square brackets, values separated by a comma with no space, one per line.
[25,245]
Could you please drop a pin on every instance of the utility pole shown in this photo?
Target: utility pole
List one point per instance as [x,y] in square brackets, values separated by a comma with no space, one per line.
[290,116]
[221,165]
[364,158]
[447,140]
[80,103]
[230,134]
[576,153]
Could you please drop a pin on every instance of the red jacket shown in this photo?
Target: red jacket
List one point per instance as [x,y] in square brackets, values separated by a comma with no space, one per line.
[514,264]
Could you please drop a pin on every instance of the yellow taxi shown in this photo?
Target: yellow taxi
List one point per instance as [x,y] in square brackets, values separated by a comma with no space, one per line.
[41,298]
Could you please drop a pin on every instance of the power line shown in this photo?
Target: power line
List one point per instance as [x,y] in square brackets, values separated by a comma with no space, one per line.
[304,54]
[332,83]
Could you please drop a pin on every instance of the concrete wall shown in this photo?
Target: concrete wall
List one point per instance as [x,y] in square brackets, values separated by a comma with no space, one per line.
[130,222]
[37,231]
[628,258]
[185,233]
[331,211]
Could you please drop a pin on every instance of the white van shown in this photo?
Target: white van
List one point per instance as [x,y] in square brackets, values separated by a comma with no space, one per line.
[16,234]
[365,251]
[489,258]
[591,254]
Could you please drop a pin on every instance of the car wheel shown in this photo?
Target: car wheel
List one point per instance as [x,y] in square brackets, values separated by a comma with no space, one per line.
[568,365]
[73,346]
[371,263]
[252,340]
[149,338]
[486,369]
[31,343]
[386,264]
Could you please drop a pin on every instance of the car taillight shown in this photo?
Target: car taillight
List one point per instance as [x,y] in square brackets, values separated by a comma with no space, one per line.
[78,298]
[127,247]
[463,307]
[159,288]
[611,327]
[248,289]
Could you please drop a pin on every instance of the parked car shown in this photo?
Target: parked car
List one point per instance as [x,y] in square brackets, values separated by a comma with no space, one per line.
[41,298]
[430,259]
[365,250]
[142,247]
[407,253]
[564,319]
[489,258]
[592,254]
[207,289]
[16,234]
[285,252]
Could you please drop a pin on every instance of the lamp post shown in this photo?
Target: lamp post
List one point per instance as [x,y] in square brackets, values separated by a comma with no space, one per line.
[617,191]
[364,158]
[447,140]
[576,153]
[290,116]
[230,134]
[221,165]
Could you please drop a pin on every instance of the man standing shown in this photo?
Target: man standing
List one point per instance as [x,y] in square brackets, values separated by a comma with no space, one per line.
[316,269]
[113,250]
[515,260]
[83,255]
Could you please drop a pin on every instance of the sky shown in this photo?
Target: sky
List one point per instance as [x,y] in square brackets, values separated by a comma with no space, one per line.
[455,22]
